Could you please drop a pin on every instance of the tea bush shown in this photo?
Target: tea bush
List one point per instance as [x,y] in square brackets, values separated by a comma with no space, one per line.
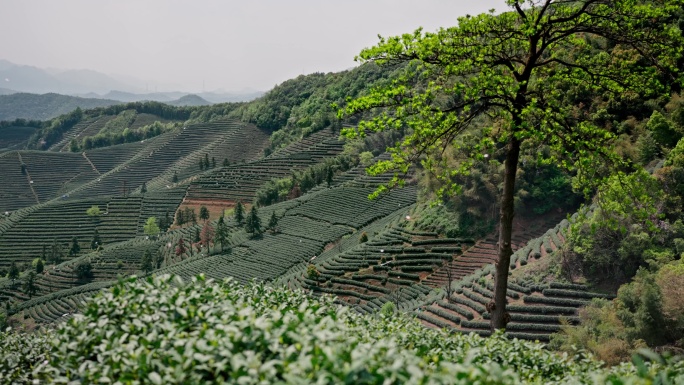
[163,330]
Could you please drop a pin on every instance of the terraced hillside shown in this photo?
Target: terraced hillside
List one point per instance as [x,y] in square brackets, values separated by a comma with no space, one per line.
[301,234]
[12,138]
[34,177]
[87,127]
[403,266]
[34,232]
[163,156]
[536,309]
[241,181]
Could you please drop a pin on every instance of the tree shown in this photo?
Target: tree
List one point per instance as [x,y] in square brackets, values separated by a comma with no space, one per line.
[165,223]
[151,228]
[84,270]
[213,162]
[146,263]
[75,247]
[94,211]
[143,188]
[450,278]
[206,161]
[30,284]
[175,177]
[39,265]
[221,234]
[253,223]
[201,164]
[13,272]
[273,222]
[204,213]
[329,174]
[226,163]
[312,272]
[207,235]
[96,242]
[239,213]
[514,69]
[190,215]
[180,248]
[180,218]
[56,252]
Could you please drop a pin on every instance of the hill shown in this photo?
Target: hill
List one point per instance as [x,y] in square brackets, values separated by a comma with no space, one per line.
[30,79]
[211,97]
[44,107]
[189,100]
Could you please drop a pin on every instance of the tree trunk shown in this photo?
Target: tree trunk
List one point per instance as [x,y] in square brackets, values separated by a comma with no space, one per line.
[497,308]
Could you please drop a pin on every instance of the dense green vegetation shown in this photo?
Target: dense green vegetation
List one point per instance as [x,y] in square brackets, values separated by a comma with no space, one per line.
[299,107]
[227,333]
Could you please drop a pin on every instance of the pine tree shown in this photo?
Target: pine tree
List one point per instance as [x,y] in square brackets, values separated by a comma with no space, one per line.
[175,177]
[167,222]
[221,235]
[197,237]
[206,161]
[273,222]
[226,163]
[146,264]
[75,247]
[143,188]
[30,284]
[204,213]
[239,213]
[201,164]
[213,162]
[40,266]
[253,223]
[13,272]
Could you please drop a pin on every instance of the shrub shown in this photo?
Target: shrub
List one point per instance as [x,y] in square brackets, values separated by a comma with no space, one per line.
[94,211]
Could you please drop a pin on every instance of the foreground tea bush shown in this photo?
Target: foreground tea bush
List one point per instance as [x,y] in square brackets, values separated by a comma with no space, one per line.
[164,331]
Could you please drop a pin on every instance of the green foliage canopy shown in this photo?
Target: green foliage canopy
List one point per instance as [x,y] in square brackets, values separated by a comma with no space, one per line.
[514,68]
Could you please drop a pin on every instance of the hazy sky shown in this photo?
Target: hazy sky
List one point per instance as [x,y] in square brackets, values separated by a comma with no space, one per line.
[229,45]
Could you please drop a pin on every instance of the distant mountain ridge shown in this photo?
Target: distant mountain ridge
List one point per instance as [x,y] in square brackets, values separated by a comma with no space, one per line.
[209,97]
[15,78]
[24,78]
[190,101]
[45,106]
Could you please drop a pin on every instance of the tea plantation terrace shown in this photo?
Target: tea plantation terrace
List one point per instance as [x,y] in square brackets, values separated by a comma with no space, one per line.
[536,310]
